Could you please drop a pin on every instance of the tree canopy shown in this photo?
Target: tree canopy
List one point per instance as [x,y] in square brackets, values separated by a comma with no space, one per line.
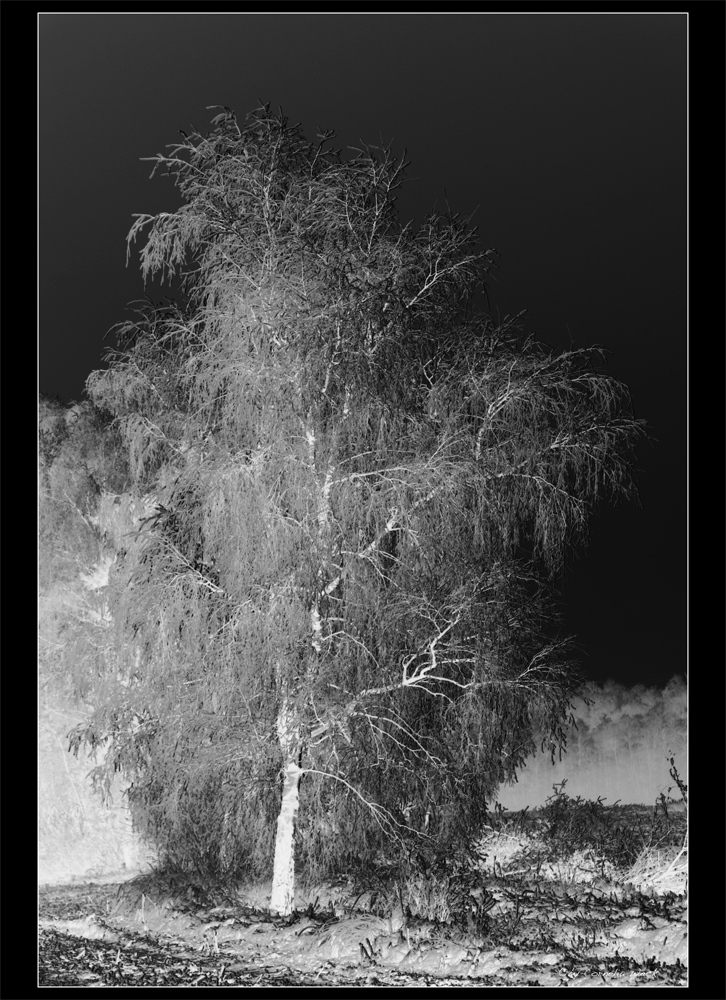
[360,491]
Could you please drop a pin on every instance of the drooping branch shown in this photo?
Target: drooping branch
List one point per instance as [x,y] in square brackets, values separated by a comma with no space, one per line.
[383,817]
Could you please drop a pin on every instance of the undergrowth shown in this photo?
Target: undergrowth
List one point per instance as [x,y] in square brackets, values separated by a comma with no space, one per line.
[562,840]
[615,833]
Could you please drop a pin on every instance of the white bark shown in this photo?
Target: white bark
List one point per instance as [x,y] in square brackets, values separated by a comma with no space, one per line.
[282,899]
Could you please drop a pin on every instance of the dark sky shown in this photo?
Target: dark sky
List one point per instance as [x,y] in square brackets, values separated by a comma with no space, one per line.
[567,134]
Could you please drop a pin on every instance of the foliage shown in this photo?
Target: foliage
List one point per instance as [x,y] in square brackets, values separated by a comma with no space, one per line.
[79,457]
[360,494]
[612,833]
[682,786]
[80,461]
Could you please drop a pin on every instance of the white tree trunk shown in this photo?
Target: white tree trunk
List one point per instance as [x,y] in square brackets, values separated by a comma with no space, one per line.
[282,898]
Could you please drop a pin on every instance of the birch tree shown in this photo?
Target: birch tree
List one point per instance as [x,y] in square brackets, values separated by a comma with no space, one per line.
[335,629]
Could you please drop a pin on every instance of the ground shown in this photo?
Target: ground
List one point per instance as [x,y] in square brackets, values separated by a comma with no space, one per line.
[526,915]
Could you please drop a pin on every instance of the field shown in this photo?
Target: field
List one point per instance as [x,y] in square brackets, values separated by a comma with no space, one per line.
[576,894]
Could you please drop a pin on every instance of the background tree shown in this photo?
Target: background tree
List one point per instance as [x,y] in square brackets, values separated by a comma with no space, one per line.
[79,460]
[361,492]
[79,457]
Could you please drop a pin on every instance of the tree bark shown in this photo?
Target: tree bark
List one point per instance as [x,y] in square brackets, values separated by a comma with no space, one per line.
[282,898]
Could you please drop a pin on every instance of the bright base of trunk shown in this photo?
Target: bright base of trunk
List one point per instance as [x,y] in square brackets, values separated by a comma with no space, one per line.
[283,879]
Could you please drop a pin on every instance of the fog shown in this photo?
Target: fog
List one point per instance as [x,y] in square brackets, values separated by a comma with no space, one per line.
[619,750]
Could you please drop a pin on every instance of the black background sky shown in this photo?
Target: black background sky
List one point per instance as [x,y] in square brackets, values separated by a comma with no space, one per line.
[566,133]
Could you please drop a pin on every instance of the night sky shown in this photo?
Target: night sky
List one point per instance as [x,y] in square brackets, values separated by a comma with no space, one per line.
[566,133]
